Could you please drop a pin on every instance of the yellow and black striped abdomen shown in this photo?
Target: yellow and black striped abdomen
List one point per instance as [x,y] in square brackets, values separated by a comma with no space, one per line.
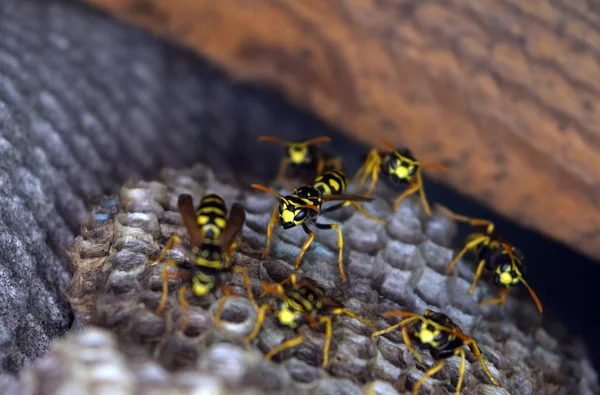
[211,216]
[332,182]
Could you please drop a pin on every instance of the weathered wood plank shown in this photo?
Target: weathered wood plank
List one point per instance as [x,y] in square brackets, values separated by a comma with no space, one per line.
[505,92]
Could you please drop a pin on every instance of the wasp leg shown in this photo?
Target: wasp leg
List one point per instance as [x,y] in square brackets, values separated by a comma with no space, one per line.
[500,299]
[357,206]
[285,345]
[340,245]
[174,239]
[274,220]
[352,315]
[229,254]
[277,288]
[370,216]
[422,193]
[428,374]
[227,292]
[405,337]
[477,275]
[472,244]
[408,343]
[260,319]
[328,335]
[370,168]
[305,246]
[477,352]
[374,177]
[247,284]
[184,305]
[461,369]
[165,277]
[471,221]
[409,191]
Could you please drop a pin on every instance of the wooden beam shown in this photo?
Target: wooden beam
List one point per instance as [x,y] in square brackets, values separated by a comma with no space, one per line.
[504,92]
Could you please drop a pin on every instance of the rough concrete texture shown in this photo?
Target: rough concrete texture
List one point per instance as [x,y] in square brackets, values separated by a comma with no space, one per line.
[397,267]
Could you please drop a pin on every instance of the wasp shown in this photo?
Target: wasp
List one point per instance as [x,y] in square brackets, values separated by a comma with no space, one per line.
[494,254]
[400,167]
[301,302]
[212,239]
[437,333]
[303,207]
[305,155]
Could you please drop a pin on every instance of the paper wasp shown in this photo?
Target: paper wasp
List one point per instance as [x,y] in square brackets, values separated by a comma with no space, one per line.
[305,155]
[301,302]
[437,333]
[503,259]
[303,207]
[212,240]
[400,167]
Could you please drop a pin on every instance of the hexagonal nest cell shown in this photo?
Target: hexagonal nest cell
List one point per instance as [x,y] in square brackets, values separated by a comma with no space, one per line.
[123,345]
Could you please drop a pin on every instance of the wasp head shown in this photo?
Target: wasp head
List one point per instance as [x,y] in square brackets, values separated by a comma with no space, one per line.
[292,212]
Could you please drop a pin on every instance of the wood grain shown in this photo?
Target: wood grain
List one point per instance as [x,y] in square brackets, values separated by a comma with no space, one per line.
[505,92]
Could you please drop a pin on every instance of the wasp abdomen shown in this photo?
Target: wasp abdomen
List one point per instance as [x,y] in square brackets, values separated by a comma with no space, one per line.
[332,182]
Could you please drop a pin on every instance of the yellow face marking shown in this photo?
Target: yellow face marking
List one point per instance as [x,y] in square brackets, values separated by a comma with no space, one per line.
[506,278]
[298,154]
[402,171]
[426,336]
[287,317]
[288,216]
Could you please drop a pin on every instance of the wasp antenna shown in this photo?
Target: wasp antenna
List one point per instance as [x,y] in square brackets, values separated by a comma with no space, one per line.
[388,145]
[309,206]
[320,139]
[508,250]
[273,140]
[533,295]
[269,190]
[400,314]
[438,166]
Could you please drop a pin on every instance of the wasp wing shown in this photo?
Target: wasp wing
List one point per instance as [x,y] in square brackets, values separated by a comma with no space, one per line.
[186,208]
[352,198]
[235,222]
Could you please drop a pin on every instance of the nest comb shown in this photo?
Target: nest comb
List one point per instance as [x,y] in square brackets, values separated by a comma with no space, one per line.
[401,266]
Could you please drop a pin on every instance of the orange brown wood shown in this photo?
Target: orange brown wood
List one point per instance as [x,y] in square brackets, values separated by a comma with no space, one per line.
[504,92]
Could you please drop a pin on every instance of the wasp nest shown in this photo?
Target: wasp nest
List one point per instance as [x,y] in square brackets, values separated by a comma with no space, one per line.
[401,266]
